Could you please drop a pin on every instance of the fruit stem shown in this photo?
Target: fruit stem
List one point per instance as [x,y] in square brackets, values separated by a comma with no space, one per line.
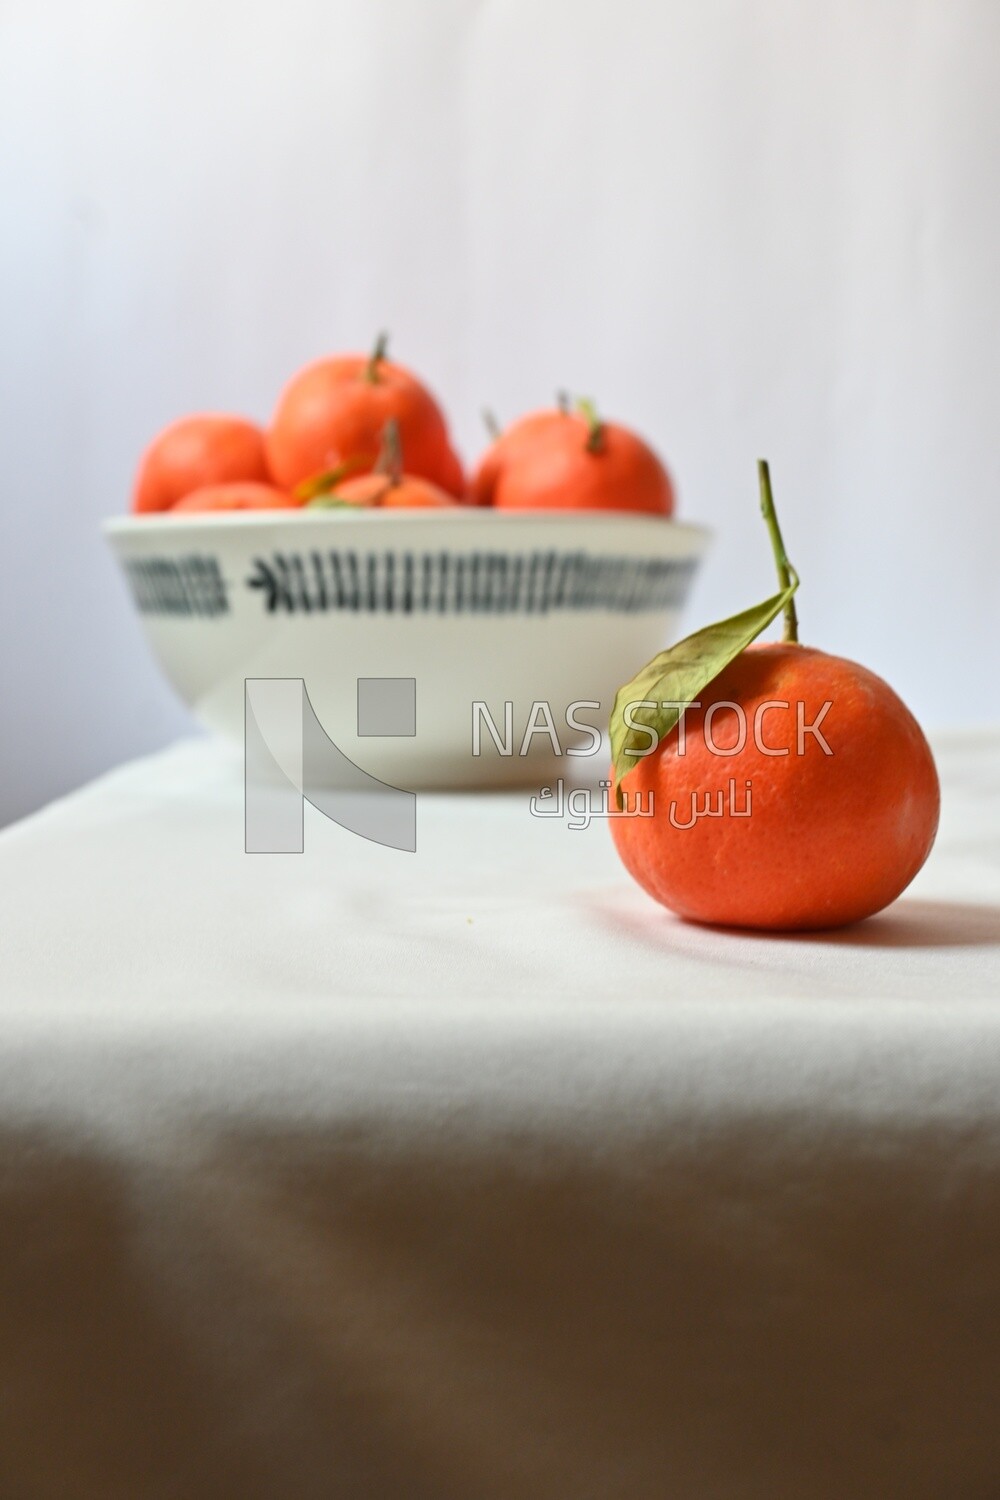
[378,354]
[490,423]
[390,456]
[563,402]
[595,435]
[786,573]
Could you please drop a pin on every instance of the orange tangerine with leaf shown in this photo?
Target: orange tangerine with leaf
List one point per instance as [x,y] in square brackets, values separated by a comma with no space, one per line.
[769,786]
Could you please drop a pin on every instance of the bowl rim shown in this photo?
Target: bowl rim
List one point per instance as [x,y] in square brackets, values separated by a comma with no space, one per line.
[159,523]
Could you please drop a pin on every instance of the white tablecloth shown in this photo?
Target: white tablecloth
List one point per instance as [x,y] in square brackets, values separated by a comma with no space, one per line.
[473,1173]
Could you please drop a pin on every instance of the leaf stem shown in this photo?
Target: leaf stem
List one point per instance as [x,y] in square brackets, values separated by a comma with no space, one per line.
[390,456]
[786,573]
[378,354]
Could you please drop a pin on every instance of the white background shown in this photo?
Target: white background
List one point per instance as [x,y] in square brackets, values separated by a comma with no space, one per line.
[746,226]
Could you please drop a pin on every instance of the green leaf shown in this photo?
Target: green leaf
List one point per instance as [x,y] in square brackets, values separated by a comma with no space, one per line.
[676,677]
[322,484]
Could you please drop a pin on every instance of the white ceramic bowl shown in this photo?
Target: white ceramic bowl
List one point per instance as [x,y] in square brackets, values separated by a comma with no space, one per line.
[477,606]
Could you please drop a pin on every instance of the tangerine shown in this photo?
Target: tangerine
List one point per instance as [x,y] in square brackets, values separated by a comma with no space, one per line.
[196,451]
[503,449]
[795,790]
[335,410]
[828,788]
[572,460]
